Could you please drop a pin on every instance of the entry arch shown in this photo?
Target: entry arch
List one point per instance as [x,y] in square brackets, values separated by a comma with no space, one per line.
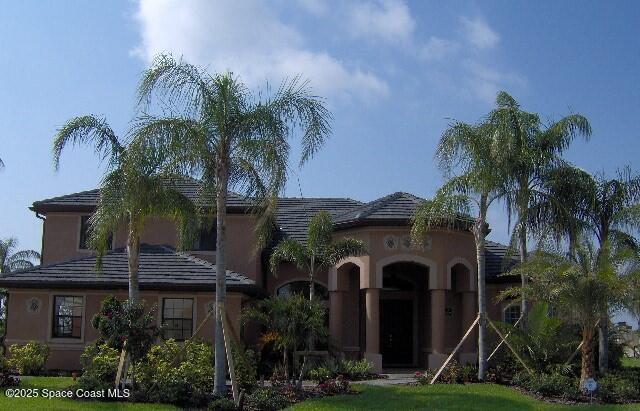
[408,258]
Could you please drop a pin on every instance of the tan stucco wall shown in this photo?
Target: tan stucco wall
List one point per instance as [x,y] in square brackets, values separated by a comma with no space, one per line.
[62,232]
[24,326]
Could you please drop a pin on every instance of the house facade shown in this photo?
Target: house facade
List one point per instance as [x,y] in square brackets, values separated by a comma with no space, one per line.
[398,306]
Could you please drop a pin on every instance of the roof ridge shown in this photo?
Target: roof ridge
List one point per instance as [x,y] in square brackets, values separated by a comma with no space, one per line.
[66,195]
[206,263]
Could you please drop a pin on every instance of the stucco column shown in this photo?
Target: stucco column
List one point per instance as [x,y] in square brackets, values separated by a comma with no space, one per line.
[372,327]
[469,312]
[438,355]
[335,317]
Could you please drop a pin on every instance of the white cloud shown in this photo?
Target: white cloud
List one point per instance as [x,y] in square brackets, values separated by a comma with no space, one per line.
[485,82]
[479,33]
[249,38]
[387,20]
[438,49]
[315,7]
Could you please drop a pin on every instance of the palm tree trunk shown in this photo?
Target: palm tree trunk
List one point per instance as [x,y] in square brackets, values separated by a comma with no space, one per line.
[311,285]
[479,232]
[133,252]
[220,377]
[588,369]
[603,345]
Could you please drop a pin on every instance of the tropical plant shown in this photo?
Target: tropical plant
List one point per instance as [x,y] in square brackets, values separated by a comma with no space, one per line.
[528,152]
[294,322]
[30,358]
[596,280]
[11,260]
[318,253]
[467,150]
[219,132]
[131,192]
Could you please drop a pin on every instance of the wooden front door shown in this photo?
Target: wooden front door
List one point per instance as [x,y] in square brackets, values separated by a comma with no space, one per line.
[396,332]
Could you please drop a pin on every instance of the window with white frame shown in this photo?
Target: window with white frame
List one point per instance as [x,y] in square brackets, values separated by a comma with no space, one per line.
[67,316]
[511,314]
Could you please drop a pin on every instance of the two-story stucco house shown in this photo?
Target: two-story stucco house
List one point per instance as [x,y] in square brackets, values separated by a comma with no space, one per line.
[397,306]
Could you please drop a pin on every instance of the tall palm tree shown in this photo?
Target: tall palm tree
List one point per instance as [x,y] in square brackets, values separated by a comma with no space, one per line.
[11,260]
[131,192]
[468,150]
[319,253]
[1,164]
[219,132]
[595,280]
[529,152]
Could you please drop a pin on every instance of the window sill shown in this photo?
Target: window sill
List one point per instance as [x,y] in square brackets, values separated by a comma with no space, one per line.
[66,340]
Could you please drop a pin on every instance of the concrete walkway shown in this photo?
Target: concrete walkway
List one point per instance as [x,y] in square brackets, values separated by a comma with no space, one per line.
[400,378]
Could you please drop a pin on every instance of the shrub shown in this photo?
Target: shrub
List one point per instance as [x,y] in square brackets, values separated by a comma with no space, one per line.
[99,367]
[267,399]
[614,388]
[425,377]
[549,385]
[469,373]
[30,358]
[245,367]
[355,370]
[320,374]
[221,404]
[117,322]
[177,374]
[335,386]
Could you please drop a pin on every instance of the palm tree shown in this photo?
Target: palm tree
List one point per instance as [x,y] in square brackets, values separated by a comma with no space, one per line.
[529,151]
[230,139]
[1,164]
[467,149]
[596,280]
[131,192]
[318,253]
[11,260]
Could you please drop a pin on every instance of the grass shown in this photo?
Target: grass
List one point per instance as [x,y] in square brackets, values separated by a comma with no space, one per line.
[631,362]
[59,384]
[442,397]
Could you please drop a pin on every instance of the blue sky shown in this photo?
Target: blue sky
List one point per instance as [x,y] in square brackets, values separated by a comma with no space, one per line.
[393,73]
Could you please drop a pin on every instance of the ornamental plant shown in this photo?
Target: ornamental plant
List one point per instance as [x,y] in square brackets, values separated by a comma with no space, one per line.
[118,322]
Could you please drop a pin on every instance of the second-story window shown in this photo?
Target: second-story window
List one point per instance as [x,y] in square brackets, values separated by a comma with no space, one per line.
[206,240]
[83,242]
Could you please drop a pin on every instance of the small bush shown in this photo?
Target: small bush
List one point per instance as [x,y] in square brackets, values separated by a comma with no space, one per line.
[176,374]
[6,379]
[320,374]
[267,399]
[614,388]
[30,358]
[99,367]
[469,373]
[221,404]
[245,367]
[355,370]
[335,386]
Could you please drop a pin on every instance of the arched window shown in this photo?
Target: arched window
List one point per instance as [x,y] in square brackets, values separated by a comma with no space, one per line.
[302,287]
[511,314]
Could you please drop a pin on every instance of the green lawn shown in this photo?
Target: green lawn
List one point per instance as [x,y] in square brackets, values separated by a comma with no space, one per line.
[631,362]
[63,383]
[442,397]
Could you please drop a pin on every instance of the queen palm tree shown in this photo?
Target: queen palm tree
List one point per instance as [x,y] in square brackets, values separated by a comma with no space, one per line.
[466,149]
[131,192]
[230,139]
[11,260]
[583,287]
[318,253]
[529,151]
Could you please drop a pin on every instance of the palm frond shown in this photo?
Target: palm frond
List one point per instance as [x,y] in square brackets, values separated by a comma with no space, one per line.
[290,251]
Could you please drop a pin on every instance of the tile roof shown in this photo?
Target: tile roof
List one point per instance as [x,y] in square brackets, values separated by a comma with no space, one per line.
[396,206]
[161,267]
[495,264]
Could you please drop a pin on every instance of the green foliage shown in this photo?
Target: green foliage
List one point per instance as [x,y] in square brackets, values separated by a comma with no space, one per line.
[11,260]
[619,388]
[245,367]
[99,367]
[545,342]
[320,374]
[453,373]
[549,385]
[266,399]
[355,370]
[29,359]
[176,373]
[117,322]
[335,386]
[221,404]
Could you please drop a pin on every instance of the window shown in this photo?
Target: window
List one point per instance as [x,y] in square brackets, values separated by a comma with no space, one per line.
[512,314]
[177,318]
[206,240]
[302,287]
[67,316]
[84,234]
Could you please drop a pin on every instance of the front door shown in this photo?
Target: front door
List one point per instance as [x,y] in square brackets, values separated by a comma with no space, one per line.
[396,332]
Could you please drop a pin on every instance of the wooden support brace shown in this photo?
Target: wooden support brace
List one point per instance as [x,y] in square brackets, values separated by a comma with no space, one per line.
[509,345]
[502,342]
[227,331]
[455,350]
[123,355]
[577,350]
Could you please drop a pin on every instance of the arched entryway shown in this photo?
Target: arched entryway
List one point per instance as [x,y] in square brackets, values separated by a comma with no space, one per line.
[404,303]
